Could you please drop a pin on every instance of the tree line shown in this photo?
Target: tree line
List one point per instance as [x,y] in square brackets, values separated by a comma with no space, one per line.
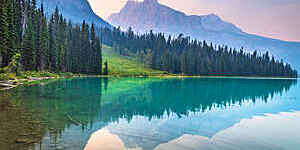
[183,55]
[47,42]
[50,42]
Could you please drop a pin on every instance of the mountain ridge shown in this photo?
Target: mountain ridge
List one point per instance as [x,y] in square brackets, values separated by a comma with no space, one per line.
[161,10]
[75,10]
[151,15]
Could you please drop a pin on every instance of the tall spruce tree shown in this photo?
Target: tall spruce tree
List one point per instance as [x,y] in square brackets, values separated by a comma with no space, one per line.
[4,34]
[98,63]
[27,51]
[43,62]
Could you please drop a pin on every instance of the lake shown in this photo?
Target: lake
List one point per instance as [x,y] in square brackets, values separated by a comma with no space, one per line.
[152,114]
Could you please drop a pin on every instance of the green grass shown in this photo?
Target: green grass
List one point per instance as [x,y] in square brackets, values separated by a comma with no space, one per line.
[126,66]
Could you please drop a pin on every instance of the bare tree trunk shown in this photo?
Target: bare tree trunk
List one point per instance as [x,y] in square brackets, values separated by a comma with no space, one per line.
[24,18]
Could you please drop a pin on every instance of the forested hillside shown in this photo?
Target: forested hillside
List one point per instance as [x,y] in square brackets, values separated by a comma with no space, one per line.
[183,55]
[32,42]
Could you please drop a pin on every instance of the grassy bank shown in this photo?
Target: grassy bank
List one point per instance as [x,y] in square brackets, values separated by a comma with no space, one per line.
[126,66]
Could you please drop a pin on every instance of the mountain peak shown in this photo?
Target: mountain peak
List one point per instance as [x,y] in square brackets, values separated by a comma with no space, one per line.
[150,1]
[212,15]
[143,1]
[148,15]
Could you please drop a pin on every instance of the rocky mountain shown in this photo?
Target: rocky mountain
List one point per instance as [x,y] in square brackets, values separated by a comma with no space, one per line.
[76,10]
[151,15]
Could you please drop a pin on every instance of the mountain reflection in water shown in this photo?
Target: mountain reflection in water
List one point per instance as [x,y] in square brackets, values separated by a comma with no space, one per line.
[153,113]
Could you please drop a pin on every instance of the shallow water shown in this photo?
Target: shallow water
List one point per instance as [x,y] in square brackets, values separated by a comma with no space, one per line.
[152,114]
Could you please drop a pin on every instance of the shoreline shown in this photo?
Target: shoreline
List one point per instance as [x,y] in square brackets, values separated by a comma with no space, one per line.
[186,76]
[10,84]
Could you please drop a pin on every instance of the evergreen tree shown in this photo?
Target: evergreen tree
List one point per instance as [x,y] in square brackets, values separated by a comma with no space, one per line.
[11,28]
[4,34]
[43,62]
[27,51]
[98,66]
[52,45]
[69,50]
[18,24]
[105,71]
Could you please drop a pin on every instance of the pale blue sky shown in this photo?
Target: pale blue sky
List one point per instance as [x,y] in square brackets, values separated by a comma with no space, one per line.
[278,19]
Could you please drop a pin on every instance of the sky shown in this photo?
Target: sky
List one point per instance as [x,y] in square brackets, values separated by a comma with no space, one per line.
[279,19]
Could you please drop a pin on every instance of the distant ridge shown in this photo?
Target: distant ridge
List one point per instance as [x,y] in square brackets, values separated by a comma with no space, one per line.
[150,15]
[76,10]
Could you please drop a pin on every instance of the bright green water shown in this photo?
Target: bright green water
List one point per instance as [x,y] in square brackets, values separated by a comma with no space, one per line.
[152,114]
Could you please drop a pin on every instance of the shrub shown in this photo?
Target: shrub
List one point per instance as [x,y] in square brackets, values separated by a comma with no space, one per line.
[68,75]
[4,70]
[12,76]
[3,76]
[15,64]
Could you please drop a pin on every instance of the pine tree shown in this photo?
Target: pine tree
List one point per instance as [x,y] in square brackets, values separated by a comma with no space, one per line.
[93,51]
[11,29]
[105,71]
[52,46]
[69,52]
[85,47]
[76,50]
[98,62]
[55,51]
[43,46]
[33,3]
[4,34]
[18,24]
[27,51]
[61,41]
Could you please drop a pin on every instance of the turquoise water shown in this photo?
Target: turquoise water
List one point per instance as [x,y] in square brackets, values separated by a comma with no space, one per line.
[161,114]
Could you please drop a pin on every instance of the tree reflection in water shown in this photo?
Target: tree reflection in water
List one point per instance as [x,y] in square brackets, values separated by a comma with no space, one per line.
[89,104]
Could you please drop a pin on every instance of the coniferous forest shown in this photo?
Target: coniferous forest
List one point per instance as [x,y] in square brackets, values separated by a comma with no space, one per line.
[51,43]
[46,42]
[183,55]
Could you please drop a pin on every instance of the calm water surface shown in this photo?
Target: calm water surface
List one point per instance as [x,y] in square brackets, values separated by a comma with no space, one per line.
[152,114]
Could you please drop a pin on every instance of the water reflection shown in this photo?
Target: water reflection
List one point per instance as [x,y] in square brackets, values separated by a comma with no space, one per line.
[151,113]
[244,135]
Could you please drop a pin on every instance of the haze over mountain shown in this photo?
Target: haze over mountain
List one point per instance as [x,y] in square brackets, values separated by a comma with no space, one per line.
[150,15]
[76,10]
